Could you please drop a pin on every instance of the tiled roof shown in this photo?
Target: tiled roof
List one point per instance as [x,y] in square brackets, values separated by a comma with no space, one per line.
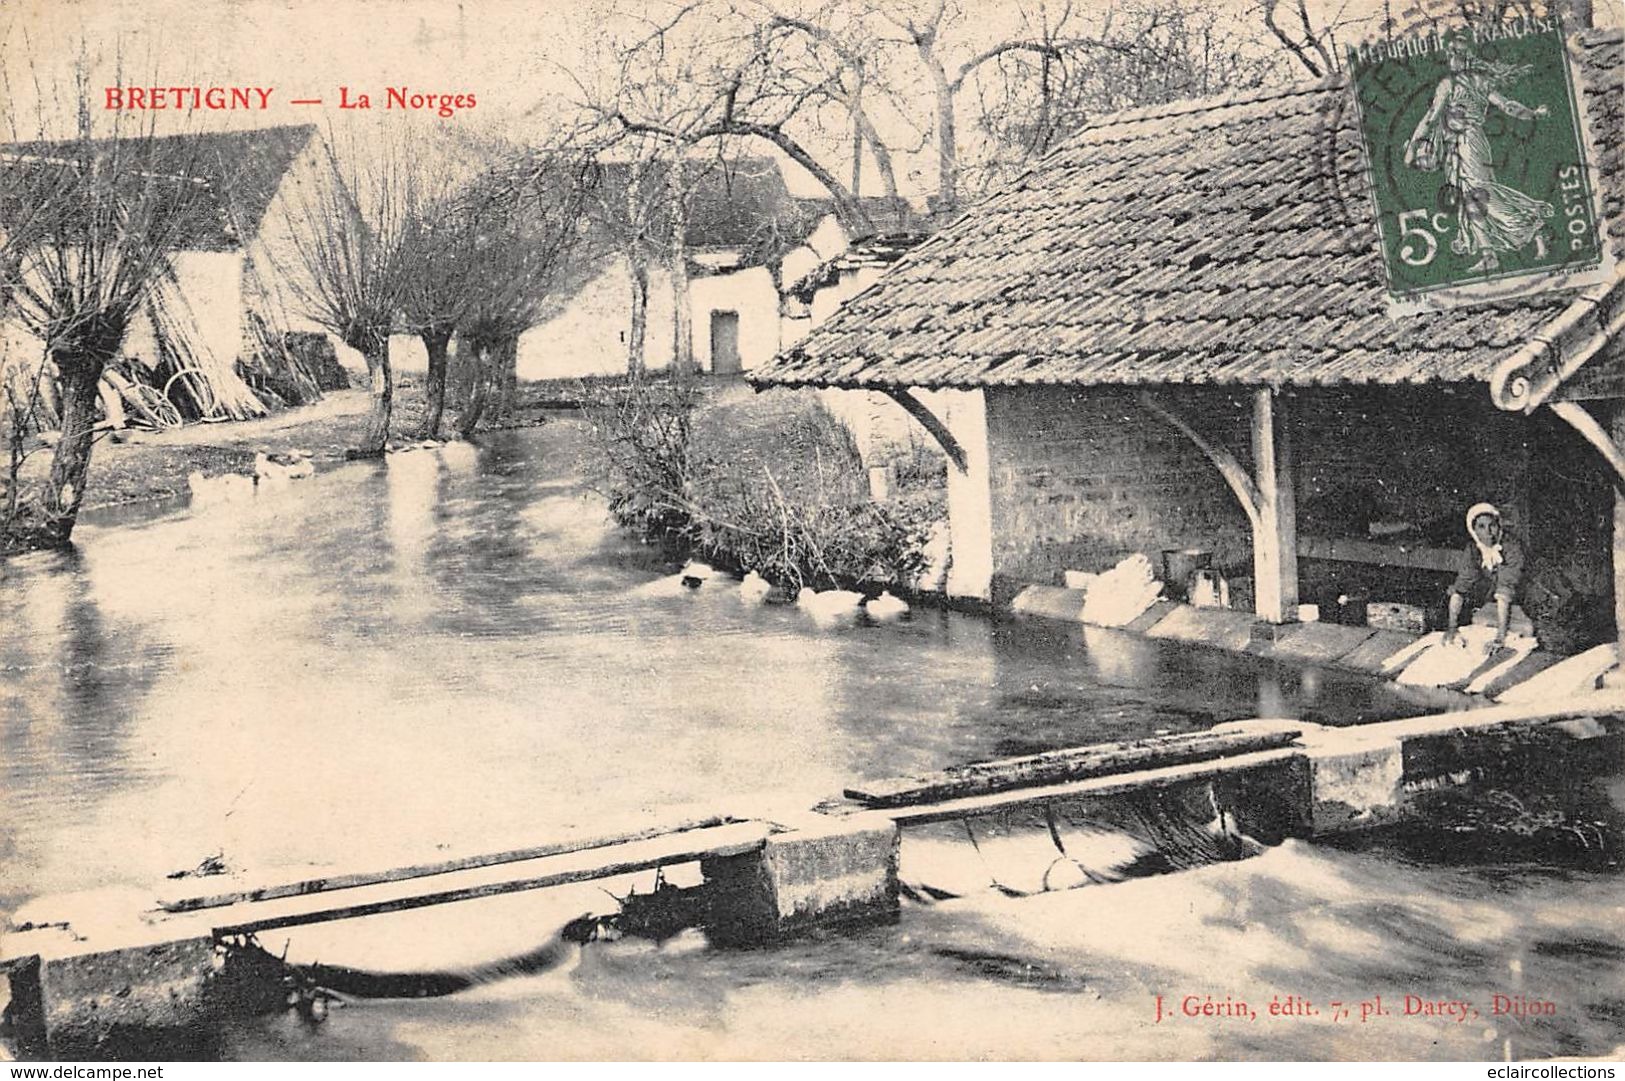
[1227,241]
[880,250]
[241,171]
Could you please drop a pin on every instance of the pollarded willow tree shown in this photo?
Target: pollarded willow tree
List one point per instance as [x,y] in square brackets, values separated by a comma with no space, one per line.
[90,223]
[442,288]
[526,219]
[352,228]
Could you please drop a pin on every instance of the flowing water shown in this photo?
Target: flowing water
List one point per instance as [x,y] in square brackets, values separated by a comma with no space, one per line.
[456,652]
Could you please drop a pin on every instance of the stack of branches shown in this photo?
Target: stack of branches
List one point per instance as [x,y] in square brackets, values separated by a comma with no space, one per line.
[198,381]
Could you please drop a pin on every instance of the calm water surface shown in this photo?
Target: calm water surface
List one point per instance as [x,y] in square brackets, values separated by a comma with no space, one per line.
[455,652]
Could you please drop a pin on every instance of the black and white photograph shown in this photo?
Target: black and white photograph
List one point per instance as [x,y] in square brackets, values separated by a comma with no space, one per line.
[713,531]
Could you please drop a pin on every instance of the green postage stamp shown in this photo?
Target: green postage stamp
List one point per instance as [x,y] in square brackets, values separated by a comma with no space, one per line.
[1476,149]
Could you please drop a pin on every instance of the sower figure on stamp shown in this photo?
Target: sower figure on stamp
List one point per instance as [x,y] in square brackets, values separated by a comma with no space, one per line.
[1491,567]
[1490,217]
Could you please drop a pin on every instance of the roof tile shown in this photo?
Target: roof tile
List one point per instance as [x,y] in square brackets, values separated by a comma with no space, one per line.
[1226,240]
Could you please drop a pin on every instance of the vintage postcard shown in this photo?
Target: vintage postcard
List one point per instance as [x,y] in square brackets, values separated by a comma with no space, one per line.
[908,530]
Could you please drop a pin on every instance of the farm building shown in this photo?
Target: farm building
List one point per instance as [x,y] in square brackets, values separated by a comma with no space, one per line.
[223,312]
[742,223]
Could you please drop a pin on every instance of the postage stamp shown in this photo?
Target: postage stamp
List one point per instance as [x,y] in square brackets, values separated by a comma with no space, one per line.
[1478,164]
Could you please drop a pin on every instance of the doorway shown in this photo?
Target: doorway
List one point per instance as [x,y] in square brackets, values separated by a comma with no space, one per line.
[725,343]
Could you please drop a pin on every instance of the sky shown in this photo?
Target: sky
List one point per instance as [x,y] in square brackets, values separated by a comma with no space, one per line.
[513,56]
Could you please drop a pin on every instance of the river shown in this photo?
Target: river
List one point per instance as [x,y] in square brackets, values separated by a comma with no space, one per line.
[456,651]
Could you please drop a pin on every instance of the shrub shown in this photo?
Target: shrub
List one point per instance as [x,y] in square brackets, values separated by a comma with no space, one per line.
[771,483]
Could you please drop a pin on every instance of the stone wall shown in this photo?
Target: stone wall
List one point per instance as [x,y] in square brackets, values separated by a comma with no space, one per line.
[1081,477]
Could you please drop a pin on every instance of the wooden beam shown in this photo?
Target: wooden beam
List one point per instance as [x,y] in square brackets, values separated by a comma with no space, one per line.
[1379,554]
[1229,468]
[930,422]
[474,883]
[1594,433]
[1617,677]
[229,891]
[1070,764]
[1275,535]
[1608,444]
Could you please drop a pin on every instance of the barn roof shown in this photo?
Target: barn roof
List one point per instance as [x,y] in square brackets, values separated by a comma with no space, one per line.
[238,173]
[1216,241]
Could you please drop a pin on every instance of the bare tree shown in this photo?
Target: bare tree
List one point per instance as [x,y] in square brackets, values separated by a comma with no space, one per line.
[90,223]
[759,72]
[627,204]
[444,279]
[351,230]
[529,217]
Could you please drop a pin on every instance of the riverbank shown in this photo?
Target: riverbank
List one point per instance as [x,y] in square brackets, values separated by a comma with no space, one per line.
[149,466]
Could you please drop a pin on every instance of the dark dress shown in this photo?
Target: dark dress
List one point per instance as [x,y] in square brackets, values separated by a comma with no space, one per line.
[1477,585]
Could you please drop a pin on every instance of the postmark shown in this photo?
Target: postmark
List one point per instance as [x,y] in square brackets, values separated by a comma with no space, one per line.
[1478,164]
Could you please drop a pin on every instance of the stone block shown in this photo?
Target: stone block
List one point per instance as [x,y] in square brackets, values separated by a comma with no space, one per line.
[1050,602]
[1220,627]
[88,998]
[1356,781]
[827,873]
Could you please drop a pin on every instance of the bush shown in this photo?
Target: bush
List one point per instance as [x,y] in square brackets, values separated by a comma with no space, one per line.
[771,483]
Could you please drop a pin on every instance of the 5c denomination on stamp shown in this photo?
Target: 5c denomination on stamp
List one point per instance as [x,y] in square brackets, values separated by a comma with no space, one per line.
[1478,164]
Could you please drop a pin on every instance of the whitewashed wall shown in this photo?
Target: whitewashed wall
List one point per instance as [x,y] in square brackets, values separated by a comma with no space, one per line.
[589,336]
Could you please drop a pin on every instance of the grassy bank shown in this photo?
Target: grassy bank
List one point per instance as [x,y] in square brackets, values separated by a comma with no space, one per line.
[154,465]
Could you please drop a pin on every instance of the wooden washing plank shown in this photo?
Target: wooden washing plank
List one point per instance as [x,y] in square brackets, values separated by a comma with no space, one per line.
[237,891]
[1093,787]
[1072,763]
[469,884]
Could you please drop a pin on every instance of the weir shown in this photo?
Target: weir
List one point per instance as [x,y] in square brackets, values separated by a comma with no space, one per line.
[78,979]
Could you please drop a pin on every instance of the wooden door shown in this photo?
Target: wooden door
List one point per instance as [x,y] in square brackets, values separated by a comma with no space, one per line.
[725,342]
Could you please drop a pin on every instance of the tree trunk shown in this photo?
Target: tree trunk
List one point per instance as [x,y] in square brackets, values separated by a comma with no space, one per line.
[640,317]
[506,357]
[47,521]
[947,150]
[374,346]
[480,364]
[947,125]
[436,340]
[682,321]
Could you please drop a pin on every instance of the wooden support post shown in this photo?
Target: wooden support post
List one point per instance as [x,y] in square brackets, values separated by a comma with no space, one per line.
[1275,536]
[1616,678]
[1610,443]
[970,498]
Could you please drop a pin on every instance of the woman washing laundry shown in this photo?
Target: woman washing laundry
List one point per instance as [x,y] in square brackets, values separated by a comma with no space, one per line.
[1491,566]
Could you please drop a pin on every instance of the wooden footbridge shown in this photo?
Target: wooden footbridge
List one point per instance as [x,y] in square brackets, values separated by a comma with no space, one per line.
[78,978]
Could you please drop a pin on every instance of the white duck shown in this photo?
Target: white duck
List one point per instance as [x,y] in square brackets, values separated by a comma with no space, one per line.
[829,607]
[226,488]
[885,607]
[271,471]
[754,589]
[694,575]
